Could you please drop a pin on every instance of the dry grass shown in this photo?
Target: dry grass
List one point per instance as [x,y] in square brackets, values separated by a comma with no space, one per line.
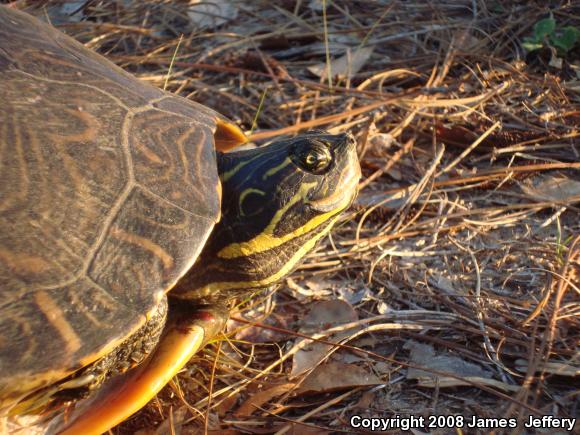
[466,233]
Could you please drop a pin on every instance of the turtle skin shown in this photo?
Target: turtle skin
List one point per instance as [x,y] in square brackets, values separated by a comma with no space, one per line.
[108,192]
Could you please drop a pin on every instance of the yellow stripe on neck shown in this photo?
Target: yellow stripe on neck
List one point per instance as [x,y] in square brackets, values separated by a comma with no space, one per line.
[275,169]
[216,287]
[266,239]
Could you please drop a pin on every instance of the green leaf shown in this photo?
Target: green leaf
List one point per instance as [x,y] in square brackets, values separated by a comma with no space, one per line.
[576,31]
[532,39]
[531,46]
[544,28]
[567,39]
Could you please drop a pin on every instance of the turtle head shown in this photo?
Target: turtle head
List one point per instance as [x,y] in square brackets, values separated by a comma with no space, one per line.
[278,201]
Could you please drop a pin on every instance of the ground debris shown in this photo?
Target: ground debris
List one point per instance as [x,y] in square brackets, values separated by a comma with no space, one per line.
[464,242]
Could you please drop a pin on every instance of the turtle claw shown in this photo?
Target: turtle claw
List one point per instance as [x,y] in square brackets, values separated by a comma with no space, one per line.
[126,394]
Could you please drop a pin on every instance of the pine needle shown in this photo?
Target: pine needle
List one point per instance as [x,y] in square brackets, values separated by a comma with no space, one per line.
[260,107]
[172,62]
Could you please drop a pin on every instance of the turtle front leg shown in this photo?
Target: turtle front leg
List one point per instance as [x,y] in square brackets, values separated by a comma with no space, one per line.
[185,333]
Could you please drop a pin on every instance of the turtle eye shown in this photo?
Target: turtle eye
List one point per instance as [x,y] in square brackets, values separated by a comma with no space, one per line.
[315,157]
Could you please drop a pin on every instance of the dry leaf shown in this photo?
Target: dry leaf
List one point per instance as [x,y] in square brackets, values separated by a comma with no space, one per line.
[307,291]
[66,13]
[446,285]
[366,401]
[424,355]
[382,141]
[322,316]
[355,296]
[386,201]
[344,66]
[556,62]
[282,319]
[335,375]
[555,368]
[226,405]
[466,381]
[172,425]
[558,188]
[464,39]
[208,15]
[257,400]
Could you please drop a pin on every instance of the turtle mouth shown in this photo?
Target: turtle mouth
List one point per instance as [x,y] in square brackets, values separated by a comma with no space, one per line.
[342,197]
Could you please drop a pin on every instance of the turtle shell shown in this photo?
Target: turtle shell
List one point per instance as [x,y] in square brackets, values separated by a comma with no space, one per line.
[108,191]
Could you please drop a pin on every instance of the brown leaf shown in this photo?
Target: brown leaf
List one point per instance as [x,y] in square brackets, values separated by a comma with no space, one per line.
[322,316]
[344,66]
[257,400]
[258,333]
[366,400]
[226,405]
[424,355]
[208,15]
[335,375]
[551,187]
[467,373]
[553,367]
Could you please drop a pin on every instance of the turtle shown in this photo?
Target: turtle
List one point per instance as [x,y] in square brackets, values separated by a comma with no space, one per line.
[129,221]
